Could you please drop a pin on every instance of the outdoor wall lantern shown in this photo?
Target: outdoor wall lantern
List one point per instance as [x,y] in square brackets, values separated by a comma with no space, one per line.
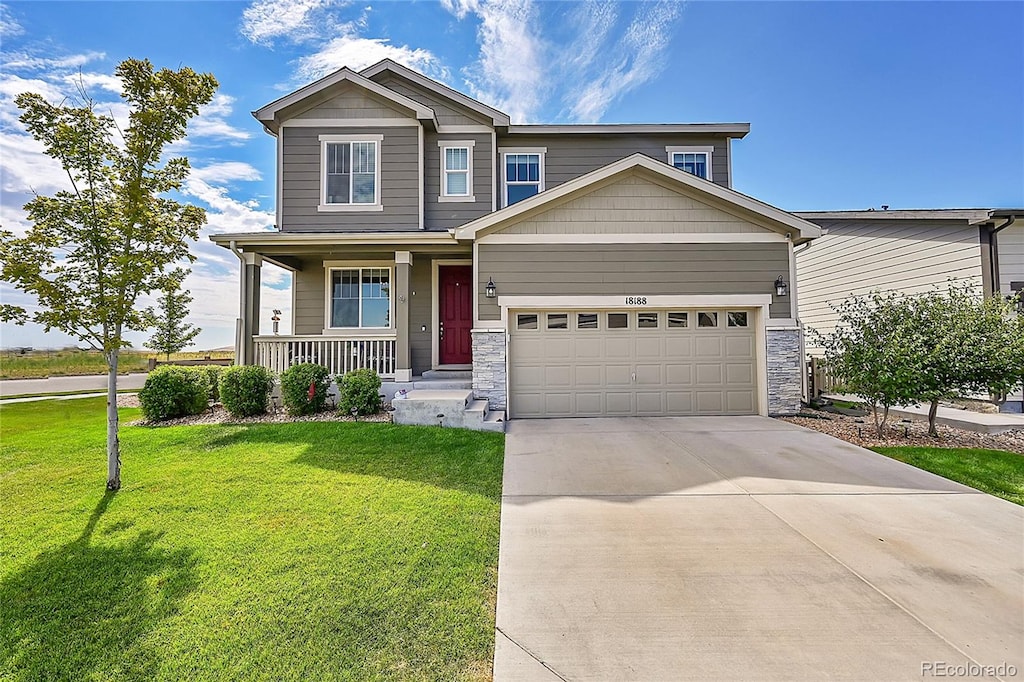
[490,291]
[781,288]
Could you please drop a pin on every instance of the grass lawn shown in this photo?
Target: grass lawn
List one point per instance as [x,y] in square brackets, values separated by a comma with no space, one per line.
[349,551]
[72,362]
[995,472]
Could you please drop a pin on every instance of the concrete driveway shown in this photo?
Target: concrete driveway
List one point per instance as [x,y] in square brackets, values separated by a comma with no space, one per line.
[728,548]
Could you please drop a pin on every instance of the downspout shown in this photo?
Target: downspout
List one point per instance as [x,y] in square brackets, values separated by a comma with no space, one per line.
[994,253]
[239,323]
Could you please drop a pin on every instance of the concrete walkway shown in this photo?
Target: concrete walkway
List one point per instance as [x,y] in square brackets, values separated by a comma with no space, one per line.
[80,384]
[982,422]
[743,549]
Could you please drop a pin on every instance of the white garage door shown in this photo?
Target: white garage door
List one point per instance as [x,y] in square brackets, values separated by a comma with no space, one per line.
[627,362]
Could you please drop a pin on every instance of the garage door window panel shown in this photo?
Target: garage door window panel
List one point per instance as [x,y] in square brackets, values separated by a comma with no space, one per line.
[618,320]
[586,320]
[558,320]
[678,320]
[526,321]
[707,320]
[647,320]
[737,319]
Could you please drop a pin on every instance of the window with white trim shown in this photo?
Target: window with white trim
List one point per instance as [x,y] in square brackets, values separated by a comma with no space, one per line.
[522,174]
[456,170]
[693,160]
[360,298]
[350,169]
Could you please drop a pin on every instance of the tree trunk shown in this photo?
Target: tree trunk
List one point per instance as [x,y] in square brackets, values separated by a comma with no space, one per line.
[113,446]
[933,410]
[874,413]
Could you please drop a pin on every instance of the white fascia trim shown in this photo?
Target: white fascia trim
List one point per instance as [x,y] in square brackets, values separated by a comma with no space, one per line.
[267,112]
[522,150]
[279,193]
[351,123]
[456,144]
[804,229]
[658,301]
[728,161]
[275,239]
[636,238]
[707,150]
[421,165]
[498,118]
[734,129]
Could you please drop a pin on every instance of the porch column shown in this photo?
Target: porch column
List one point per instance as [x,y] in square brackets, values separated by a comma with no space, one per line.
[403,275]
[249,326]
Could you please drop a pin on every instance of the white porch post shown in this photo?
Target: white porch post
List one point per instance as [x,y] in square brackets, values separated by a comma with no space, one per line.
[249,308]
[403,275]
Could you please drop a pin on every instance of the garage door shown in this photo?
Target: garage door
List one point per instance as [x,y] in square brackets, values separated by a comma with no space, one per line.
[632,362]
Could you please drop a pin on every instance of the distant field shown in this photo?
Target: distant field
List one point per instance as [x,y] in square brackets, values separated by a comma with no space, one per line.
[72,362]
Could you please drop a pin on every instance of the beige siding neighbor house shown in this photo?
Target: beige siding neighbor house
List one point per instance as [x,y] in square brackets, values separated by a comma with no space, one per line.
[522,271]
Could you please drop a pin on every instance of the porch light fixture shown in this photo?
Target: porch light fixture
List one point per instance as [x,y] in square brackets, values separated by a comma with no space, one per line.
[490,291]
[781,288]
[276,319]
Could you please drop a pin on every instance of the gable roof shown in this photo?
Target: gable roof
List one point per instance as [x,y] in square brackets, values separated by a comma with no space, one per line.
[267,114]
[972,216]
[779,220]
[498,118]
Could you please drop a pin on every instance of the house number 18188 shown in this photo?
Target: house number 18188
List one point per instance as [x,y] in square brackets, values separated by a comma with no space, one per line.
[636,300]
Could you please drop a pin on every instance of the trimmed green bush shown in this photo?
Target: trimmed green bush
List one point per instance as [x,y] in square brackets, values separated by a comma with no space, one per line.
[245,389]
[171,392]
[213,377]
[304,388]
[359,390]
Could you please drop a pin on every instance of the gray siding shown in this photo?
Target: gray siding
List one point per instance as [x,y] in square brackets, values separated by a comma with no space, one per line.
[301,182]
[446,215]
[631,269]
[635,204]
[857,257]
[448,112]
[355,103]
[419,313]
[1010,247]
[310,305]
[570,156]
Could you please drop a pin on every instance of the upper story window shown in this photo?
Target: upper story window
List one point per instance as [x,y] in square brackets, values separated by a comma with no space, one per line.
[456,170]
[522,174]
[350,172]
[693,160]
[359,298]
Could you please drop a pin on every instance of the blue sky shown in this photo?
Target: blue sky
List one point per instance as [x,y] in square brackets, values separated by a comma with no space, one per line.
[851,104]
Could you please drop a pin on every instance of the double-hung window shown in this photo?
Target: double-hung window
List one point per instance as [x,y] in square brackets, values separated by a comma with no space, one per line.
[350,170]
[522,174]
[693,160]
[456,170]
[360,298]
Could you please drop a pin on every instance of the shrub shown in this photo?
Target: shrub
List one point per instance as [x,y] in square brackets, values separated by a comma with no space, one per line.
[245,389]
[304,388]
[171,392]
[213,377]
[359,390]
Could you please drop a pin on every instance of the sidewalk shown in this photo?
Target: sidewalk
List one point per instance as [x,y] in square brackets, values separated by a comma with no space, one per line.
[81,384]
[961,419]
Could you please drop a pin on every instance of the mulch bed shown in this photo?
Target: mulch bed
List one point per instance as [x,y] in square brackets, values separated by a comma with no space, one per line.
[861,431]
[218,415]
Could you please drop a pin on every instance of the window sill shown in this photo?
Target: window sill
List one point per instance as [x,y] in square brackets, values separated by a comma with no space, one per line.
[349,208]
[456,200]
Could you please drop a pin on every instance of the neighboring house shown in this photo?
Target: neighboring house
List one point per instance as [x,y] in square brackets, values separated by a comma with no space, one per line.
[575,270]
[912,251]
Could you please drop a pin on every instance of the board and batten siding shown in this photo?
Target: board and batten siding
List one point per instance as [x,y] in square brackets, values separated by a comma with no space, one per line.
[1010,246]
[354,102]
[856,257]
[630,270]
[645,206]
[300,181]
[570,156]
[447,111]
[444,215]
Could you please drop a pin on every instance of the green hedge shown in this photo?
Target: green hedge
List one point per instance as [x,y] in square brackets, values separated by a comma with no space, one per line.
[304,388]
[245,389]
[171,392]
[359,392]
[213,377]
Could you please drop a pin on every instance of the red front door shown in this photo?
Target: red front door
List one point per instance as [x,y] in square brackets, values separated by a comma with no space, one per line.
[455,300]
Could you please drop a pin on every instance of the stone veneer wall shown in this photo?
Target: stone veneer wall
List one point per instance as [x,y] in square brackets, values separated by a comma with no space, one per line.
[784,371]
[489,367]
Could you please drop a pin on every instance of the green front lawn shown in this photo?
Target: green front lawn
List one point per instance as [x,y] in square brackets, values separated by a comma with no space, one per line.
[349,551]
[995,472]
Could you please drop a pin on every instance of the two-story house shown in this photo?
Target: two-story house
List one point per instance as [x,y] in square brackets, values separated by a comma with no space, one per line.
[574,270]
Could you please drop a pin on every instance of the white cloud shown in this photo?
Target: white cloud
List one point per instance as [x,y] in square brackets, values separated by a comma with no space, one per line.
[295,20]
[24,61]
[92,81]
[9,26]
[211,121]
[226,171]
[356,52]
[225,213]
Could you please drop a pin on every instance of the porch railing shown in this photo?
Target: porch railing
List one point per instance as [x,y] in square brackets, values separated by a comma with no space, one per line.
[338,354]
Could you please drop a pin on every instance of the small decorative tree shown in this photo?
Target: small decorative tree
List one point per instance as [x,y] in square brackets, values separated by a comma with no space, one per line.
[172,332]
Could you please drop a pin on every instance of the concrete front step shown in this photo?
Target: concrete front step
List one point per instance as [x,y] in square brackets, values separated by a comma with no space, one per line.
[447,374]
[443,384]
[456,408]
